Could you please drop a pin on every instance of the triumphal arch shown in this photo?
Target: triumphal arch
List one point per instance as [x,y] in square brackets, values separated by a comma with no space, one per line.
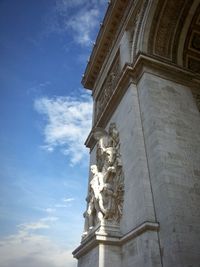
[143,202]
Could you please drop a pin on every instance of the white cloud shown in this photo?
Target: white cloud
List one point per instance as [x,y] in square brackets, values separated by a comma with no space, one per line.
[49,219]
[26,249]
[50,210]
[64,5]
[39,88]
[83,24]
[61,206]
[68,199]
[43,223]
[68,124]
[34,226]
[79,18]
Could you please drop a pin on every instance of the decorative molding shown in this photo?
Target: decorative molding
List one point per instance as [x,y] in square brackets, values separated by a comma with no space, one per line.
[169,17]
[104,41]
[146,226]
[181,26]
[166,28]
[128,19]
[101,238]
[138,24]
[193,63]
[191,53]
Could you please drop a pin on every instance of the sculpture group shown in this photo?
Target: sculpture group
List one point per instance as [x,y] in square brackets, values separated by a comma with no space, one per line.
[106,187]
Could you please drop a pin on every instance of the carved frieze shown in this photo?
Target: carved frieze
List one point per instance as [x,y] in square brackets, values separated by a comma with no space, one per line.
[191,54]
[166,27]
[108,87]
[106,188]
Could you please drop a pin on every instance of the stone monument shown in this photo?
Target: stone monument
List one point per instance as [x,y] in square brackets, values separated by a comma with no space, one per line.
[143,202]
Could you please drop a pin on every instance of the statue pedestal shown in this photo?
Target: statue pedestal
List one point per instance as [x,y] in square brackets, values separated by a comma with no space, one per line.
[107,228]
[104,245]
[101,246]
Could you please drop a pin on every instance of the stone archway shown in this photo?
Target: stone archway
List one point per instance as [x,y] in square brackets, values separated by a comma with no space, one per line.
[169,30]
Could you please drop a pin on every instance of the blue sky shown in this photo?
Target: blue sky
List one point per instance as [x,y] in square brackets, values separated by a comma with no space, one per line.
[45,117]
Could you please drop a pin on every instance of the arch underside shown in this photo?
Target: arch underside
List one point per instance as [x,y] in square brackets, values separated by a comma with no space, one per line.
[174,33]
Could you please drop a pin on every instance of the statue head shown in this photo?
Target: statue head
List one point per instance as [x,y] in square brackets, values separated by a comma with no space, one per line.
[110,155]
[93,169]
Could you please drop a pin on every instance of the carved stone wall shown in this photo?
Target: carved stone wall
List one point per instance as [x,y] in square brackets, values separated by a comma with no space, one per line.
[167,24]
[108,87]
[191,54]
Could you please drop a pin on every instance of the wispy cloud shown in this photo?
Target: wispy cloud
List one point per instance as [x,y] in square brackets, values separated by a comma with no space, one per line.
[83,24]
[49,219]
[34,226]
[39,88]
[61,206]
[68,121]
[27,248]
[43,223]
[65,5]
[50,210]
[79,18]
[68,200]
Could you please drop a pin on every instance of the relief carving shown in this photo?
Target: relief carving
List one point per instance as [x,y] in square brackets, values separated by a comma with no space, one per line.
[106,188]
[191,51]
[166,27]
[108,87]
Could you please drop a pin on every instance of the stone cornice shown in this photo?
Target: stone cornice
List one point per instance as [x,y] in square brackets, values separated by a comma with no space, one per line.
[132,74]
[165,69]
[104,41]
[99,238]
[121,87]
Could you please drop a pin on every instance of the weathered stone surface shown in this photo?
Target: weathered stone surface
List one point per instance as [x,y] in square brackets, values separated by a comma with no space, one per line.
[137,184]
[171,125]
[91,259]
[142,251]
